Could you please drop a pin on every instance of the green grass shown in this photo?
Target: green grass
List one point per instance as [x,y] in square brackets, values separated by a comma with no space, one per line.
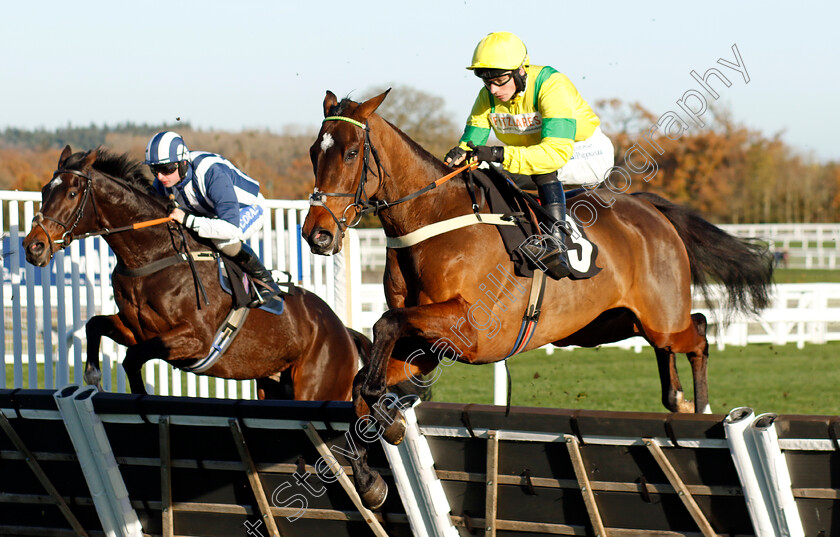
[25,379]
[768,378]
[765,377]
[806,275]
[10,368]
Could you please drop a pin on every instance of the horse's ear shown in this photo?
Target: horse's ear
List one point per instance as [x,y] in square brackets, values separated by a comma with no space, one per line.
[89,159]
[329,101]
[366,108]
[64,156]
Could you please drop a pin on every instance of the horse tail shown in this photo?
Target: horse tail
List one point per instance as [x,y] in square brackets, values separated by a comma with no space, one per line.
[363,345]
[744,268]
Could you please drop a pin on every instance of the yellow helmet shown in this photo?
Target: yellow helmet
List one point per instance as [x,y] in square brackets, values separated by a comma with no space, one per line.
[500,50]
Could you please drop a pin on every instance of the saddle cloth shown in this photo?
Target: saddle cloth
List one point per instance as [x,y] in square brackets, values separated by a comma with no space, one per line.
[505,199]
[237,284]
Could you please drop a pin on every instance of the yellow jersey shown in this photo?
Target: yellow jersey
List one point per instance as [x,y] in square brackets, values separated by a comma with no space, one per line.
[539,125]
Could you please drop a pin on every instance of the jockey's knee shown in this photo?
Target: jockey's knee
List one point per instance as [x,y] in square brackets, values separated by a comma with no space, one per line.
[229,247]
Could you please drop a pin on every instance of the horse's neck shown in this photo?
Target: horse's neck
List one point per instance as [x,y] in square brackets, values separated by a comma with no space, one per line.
[137,248]
[409,171]
[133,248]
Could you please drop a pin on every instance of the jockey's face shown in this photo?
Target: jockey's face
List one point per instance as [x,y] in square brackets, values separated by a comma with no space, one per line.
[167,179]
[502,87]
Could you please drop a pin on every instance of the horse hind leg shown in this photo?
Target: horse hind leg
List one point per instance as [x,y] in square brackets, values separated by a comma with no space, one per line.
[672,391]
[694,344]
[699,359]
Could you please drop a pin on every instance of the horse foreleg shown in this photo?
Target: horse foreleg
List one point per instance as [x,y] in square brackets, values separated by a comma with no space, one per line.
[372,488]
[177,344]
[428,322]
[98,326]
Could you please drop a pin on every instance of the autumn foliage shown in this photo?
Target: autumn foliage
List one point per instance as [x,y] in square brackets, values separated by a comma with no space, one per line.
[730,173]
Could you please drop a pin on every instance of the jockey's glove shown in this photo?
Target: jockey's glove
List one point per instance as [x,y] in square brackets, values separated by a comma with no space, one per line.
[487,153]
[455,156]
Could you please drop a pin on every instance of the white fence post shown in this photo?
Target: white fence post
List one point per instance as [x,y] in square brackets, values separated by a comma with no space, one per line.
[86,267]
[802,313]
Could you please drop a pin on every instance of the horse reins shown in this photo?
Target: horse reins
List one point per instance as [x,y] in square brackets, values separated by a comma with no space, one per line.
[67,237]
[361,202]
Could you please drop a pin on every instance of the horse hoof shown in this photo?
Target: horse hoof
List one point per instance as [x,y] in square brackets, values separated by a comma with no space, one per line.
[375,496]
[686,407]
[94,378]
[395,432]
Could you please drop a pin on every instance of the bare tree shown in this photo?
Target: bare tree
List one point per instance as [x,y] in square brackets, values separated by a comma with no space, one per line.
[420,115]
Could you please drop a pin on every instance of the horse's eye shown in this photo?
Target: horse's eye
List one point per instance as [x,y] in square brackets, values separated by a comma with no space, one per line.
[352,154]
[72,194]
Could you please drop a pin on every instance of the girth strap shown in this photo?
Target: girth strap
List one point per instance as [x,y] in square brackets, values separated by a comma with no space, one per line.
[532,314]
[224,337]
[529,324]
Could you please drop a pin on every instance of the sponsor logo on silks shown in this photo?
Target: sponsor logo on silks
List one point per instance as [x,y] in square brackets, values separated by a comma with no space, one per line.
[517,123]
[249,215]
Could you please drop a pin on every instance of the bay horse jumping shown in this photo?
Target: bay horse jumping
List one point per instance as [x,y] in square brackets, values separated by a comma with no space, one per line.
[650,250]
[159,314]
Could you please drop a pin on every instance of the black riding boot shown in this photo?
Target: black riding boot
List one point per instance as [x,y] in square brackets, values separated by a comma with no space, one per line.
[253,267]
[553,199]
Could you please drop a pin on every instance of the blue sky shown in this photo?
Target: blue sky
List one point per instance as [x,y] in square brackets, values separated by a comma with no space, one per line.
[239,65]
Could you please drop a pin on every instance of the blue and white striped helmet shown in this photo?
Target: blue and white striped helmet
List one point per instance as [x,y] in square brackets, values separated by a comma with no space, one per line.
[165,148]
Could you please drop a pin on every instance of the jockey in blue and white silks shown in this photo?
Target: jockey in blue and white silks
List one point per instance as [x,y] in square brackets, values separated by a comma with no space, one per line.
[217,193]
[216,200]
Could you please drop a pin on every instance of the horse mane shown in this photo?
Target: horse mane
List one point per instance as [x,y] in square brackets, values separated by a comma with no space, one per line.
[116,165]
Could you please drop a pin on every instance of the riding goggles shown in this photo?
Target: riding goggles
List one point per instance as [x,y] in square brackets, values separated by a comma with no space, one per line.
[165,169]
[497,80]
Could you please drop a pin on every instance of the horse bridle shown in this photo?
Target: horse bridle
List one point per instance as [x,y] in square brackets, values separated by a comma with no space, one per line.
[67,236]
[362,204]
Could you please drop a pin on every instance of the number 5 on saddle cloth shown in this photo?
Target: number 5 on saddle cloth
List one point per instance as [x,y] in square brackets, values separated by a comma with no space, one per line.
[504,197]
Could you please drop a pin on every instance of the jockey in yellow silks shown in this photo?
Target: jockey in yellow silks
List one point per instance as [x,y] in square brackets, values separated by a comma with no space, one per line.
[552,136]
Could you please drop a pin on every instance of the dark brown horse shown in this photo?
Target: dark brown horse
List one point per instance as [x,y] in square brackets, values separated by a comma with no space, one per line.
[158,314]
[449,295]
